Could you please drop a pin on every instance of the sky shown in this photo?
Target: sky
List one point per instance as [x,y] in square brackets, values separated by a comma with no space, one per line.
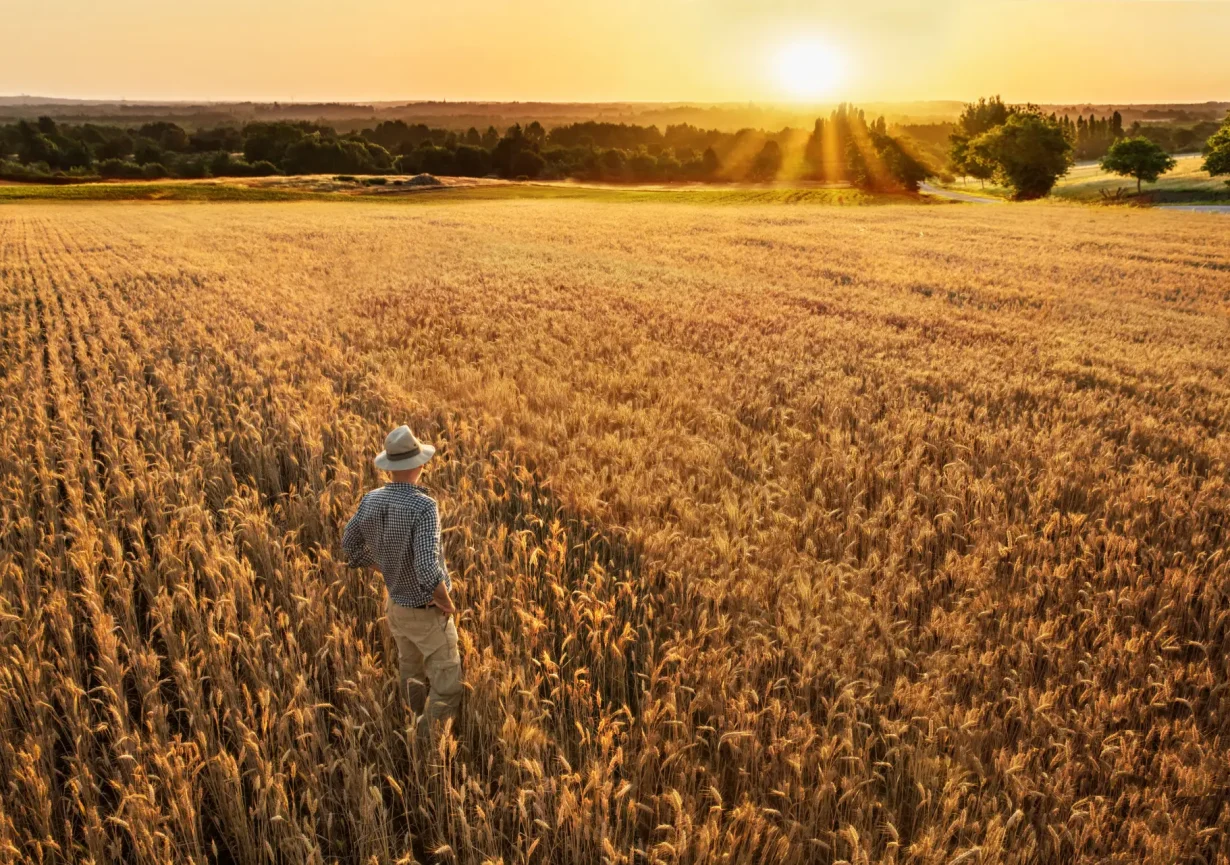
[1044,51]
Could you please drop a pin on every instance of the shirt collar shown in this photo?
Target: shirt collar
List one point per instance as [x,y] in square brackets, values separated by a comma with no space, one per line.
[415,487]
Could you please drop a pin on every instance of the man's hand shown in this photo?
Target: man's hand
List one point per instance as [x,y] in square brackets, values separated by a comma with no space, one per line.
[441,599]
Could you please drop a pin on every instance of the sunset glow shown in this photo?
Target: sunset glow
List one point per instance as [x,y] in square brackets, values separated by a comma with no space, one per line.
[810,69]
[580,50]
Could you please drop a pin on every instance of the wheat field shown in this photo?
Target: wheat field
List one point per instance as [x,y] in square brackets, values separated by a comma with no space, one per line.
[780,534]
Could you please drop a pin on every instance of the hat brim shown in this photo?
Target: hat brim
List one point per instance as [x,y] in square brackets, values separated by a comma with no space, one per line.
[426,452]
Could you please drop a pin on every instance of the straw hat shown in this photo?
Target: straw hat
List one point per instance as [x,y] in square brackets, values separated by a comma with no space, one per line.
[403,451]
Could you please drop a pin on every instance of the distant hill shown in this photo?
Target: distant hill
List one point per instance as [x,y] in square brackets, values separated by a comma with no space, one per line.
[728,117]
[462,115]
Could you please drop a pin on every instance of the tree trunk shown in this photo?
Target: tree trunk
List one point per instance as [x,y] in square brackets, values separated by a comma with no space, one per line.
[1138,186]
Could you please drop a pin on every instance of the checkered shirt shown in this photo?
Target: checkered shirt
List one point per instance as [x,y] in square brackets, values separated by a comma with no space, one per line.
[397,530]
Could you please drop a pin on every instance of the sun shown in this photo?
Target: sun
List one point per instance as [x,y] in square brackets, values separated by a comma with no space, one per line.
[809,69]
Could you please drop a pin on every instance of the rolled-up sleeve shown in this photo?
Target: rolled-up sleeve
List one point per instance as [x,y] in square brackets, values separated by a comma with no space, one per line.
[428,563]
[354,540]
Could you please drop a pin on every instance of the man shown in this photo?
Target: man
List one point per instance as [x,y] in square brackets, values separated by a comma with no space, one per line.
[397,530]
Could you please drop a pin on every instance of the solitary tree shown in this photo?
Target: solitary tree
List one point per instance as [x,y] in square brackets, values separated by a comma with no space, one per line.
[1029,153]
[1139,158]
[1217,156]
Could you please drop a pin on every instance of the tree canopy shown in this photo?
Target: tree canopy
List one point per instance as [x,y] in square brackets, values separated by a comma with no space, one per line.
[1016,144]
[1217,153]
[1139,158]
[845,146]
[1029,152]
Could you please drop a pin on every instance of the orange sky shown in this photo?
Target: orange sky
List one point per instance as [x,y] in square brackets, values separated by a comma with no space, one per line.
[651,50]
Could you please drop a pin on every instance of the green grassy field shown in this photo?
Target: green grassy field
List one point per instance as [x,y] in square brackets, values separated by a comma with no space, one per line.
[234,191]
[1186,184]
[150,191]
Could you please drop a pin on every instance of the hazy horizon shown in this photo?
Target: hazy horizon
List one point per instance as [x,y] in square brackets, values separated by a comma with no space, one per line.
[49,99]
[780,52]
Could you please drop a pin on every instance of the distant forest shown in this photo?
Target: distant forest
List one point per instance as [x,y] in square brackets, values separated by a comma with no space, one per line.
[844,146]
[460,116]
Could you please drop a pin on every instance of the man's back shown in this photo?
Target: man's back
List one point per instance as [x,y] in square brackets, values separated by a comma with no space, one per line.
[397,530]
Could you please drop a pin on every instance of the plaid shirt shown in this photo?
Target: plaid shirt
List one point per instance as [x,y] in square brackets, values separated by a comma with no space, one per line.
[397,529]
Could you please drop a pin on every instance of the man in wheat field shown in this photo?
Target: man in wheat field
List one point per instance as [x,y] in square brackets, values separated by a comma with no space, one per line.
[397,530]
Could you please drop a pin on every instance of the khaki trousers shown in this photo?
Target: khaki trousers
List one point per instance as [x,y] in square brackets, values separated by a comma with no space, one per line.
[429,666]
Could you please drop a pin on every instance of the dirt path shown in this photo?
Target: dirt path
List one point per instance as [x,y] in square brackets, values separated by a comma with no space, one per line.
[928,189]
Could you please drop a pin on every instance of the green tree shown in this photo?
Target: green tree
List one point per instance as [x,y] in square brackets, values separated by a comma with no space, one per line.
[613,165]
[527,163]
[983,116]
[967,163]
[146,152]
[220,164]
[270,141]
[1217,153]
[902,166]
[857,170]
[117,147]
[118,168]
[642,167]
[37,147]
[506,151]
[669,167]
[226,138]
[75,155]
[1029,153]
[318,154]
[977,119]
[768,162]
[472,161]
[169,136]
[1139,158]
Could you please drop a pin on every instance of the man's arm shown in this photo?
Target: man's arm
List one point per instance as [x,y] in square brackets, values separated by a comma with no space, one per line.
[427,565]
[354,542]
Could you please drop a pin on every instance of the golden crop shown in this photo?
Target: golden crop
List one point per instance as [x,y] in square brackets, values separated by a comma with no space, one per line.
[782,535]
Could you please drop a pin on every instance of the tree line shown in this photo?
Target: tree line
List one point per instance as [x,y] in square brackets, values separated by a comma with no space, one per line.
[1017,145]
[843,147]
[1092,137]
[1027,151]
